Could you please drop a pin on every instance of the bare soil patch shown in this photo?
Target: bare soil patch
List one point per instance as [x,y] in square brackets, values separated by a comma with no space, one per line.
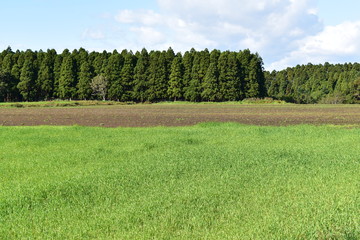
[182,115]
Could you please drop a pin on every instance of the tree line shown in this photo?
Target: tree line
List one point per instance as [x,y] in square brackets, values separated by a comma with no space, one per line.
[127,76]
[165,75]
[322,83]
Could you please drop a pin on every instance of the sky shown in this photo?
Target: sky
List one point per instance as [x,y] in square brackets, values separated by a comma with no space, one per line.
[284,32]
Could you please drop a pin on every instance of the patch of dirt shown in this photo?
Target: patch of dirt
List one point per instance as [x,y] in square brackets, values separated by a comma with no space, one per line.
[182,115]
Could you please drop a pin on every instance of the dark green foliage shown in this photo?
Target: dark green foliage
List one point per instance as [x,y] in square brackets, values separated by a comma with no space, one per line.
[176,79]
[45,80]
[83,87]
[230,77]
[113,74]
[127,77]
[140,83]
[162,75]
[158,82]
[199,69]
[188,59]
[4,83]
[67,81]
[27,85]
[57,74]
[310,83]
[210,84]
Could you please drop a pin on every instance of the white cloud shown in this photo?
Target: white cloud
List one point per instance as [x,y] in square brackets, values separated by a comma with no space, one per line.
[340,43]
[265,26]
[284,32]
[340,39]
[148,36]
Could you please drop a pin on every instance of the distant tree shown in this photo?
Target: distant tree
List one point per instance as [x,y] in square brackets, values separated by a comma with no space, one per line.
[176,79]
[211,84]
[57,73]
[85,76]
[99,86]
[4,80]
[46,76]
[113,74]
[158,82]
[26,85]
[67,81]
[127,77]
[199,68]
[141,71]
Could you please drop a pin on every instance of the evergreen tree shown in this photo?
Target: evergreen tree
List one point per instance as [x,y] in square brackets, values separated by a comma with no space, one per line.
[211,84]
[200,65]
[85,76]
[255,79]
[8,80]
[188,59]
[7,63]
[46,77]
[176,77]
[158,84]
[4,86]
[57,73]
[27,81]
[127,77]
[113,74]
[141,76]
[67,81]
[14,94]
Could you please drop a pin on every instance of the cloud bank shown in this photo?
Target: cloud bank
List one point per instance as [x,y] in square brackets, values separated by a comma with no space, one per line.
[284,32]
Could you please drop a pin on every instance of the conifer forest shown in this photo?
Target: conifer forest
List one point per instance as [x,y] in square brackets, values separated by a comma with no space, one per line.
[168,76]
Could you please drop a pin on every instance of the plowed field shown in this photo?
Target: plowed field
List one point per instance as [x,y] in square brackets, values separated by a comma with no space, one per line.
[181,115]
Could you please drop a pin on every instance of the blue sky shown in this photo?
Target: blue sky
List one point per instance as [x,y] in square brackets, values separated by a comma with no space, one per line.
[284,32]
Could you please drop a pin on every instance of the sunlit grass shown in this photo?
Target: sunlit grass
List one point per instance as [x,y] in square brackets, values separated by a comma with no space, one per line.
[210,181]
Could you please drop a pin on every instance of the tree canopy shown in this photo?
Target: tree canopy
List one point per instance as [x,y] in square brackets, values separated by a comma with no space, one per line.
[169,76]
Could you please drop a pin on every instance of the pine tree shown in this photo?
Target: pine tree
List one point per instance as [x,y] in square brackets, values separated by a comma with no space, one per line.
[255,80]
[9,82]
[14,94]
[85,76]
[7,63]
[141,76]
[57,73]
[188,59]
[67,81]
[211,84]
[4,87]
[113,74]
[175,88]
[46,77]
[158,84]
[230,77]
[200,66]
[27,81]
[127,77]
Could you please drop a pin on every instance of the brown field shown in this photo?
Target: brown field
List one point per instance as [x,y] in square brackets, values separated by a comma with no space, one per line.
[143,115]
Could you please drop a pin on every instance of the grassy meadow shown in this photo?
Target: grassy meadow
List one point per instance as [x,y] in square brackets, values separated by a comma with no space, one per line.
[209,181]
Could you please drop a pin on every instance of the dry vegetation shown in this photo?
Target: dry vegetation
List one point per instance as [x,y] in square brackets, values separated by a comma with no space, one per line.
[145,115]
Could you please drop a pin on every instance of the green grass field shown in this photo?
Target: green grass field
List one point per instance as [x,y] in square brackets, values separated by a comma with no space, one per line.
[210,181]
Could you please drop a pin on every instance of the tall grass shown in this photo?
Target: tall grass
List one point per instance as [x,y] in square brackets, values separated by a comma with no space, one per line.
[210,181]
